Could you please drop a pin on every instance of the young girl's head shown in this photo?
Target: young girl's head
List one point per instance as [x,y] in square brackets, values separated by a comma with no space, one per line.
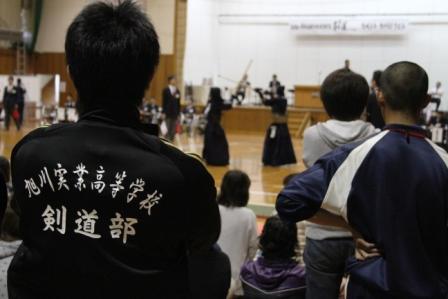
[279,239]
[234,189]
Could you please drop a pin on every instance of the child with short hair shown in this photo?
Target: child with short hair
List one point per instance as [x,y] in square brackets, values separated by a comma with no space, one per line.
[276,273]
[344,95]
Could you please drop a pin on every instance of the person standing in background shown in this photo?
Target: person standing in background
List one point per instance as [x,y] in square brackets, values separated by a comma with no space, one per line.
[436,95]
[274,85]
[347,65]
[171,107]
[9,102]
[21,92]
[373,110]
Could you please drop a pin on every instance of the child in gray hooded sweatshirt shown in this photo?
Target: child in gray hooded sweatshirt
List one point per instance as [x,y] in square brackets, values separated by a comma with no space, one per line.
[344,95]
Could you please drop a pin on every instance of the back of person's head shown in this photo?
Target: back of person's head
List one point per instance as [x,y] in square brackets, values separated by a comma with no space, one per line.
[215,94]
[112,52]
[5,168]
[404,86]
[344,95]
[376,77]
[234,189]
[278,239]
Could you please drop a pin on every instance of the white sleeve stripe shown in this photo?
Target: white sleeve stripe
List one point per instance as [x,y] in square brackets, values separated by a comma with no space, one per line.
[440,151]
[335,200]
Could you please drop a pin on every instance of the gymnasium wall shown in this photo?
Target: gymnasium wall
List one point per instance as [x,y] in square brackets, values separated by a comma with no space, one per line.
[223,36]
[10,14]
[56,17]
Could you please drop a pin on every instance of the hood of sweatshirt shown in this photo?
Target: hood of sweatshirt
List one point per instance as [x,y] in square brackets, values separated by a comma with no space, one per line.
[336,133]
[273,275]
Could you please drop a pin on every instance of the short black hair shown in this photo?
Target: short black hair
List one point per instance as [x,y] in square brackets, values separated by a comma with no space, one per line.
[234,189]
[405,87]
[112,52]
[377,77]
[278,239]
[344,94]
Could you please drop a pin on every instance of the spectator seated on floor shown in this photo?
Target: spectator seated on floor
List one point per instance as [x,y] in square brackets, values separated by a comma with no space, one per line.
[276,273]
[9,231]
[209,274]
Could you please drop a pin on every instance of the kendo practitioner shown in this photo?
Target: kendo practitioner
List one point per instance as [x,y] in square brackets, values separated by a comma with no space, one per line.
[108,211]
[10,103]
[278,149]
[216,148]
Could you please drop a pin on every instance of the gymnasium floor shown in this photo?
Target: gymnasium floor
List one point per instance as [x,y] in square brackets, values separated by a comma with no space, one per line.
[245,154]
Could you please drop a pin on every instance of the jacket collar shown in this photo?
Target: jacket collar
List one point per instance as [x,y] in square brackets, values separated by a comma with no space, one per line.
[126,117]
[407,130]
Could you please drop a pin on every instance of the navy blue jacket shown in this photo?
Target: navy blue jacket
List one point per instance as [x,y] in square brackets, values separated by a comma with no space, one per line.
[393,189]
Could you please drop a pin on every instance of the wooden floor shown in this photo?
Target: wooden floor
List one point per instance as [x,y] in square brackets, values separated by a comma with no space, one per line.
[245,154]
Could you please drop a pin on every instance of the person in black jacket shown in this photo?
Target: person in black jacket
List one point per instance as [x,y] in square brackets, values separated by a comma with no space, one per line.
[216,147]
[108,211]
[171,107]
[373,110]
[10,102]
[21,92]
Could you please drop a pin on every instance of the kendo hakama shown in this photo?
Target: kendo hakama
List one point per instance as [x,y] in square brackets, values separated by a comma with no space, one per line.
[278,149]
[216,147]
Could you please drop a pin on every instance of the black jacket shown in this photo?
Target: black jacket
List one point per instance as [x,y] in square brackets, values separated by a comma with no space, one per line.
[9,97]
[89,255]
[171,103]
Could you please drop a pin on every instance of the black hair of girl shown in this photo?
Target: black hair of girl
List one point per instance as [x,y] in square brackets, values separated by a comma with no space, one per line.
[234,189]
[278,240]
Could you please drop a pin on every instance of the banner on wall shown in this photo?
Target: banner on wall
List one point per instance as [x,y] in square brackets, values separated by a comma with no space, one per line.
[346,26]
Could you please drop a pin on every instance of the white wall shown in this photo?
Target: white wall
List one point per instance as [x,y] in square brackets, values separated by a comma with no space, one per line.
[224,35]
[58,14]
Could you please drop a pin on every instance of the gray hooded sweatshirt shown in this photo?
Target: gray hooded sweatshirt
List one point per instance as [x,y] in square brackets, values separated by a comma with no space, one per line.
[321,139]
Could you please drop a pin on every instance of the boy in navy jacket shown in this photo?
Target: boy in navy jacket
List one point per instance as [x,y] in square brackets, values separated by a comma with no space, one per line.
[392,189]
